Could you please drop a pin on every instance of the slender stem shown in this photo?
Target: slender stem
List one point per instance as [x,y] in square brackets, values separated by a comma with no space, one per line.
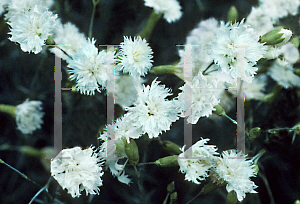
[277,129]
[92,19]
[41,190]
[140,185]
[23,175]
[141,164]
[194,197]
[166,199]
[64,52]
[204,72]
[150,24]
[123,168]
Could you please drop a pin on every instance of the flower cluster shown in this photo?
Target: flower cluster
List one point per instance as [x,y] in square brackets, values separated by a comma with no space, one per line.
[78,169]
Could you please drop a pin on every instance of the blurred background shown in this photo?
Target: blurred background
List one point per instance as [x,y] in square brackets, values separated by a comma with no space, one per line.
[24,75]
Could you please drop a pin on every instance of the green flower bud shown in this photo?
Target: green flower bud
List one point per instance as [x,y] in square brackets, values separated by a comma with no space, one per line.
[167,161]
[219,110]
[297,202]
[232,14]
[297,129]
[255,132]
[171,187]
[232,197]
[30,151]
[163,69]
[171,147]
[173,196]
[276,36]
[132,152]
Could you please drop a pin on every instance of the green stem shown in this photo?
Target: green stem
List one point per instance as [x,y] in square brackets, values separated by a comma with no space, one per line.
[21,174]
[152,21]
[92,18]
[41,190]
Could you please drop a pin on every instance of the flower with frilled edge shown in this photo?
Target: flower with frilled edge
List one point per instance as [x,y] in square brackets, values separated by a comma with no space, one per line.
[29,116]
[135,56]
[32,28]
[152,111]
[235,171]
[197,160]
[203,97]
[170,8]
[78,169]
[228,42]
[88,68]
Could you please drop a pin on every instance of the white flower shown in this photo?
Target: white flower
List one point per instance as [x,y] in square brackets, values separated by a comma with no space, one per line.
[224,50]
[88,67]
[289,52]
[67,37]
[236,171]
[152,111]
[32,29]
[279,8]
[197,163]
[126,89]
[77,170]
[29,116]
[199,39]
[136,56]
[260,21]
[170,8]
[16,7]
[282,72]
[203,95]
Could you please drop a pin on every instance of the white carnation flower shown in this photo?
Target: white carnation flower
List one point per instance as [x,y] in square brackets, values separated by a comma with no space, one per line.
[88,67]
[126,88]
[29,116]
[152,111]
[203,97]
[236,171]
[136,56]
[282,72]
[289,52]
[170,8]
[224,50]
[279,8]
[196,164]
[260,21]
[32,29]
[77,170]
[16,7]
[68,37]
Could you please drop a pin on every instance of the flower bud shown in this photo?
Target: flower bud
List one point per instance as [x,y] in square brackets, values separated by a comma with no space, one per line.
[232,14]
[276,36]
[173,196]
[297,202]
[219,110]
[171,187]
[232,197]
[255,132]
[171,147]
[295,41]
[167,161]
[50,41]
[163,69]
[297,129]
[132,152]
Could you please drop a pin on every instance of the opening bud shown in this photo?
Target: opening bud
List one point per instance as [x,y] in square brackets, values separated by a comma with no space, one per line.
[173,196]
[232,197]
[232,14]
[171,187]
[276,36]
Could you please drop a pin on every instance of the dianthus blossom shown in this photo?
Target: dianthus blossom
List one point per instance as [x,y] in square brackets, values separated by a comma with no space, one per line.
[197,160]
[29,116]
[68,37]
[203,96]
[171,9]
[136,56]
[224,51]
[152,111]
[88,68]
[259,20]
[77,169]
[282,72]
[32,28]
[236,171]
